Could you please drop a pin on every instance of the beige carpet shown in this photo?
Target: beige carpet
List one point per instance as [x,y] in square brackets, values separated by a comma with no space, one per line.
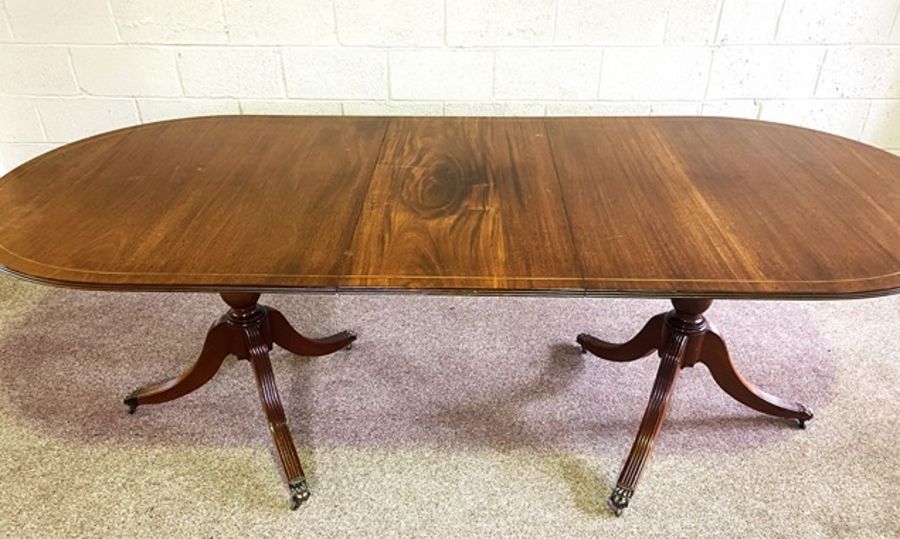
[451,417]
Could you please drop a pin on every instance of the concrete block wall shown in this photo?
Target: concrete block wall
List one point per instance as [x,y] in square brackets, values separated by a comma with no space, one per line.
[72,68]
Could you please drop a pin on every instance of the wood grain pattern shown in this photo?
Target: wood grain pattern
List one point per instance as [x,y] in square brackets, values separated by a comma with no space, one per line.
[726,207]
[663,207]
[460,203]
[234,202]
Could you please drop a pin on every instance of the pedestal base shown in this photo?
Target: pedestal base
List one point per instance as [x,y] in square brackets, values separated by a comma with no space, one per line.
[683,338]
[249,330]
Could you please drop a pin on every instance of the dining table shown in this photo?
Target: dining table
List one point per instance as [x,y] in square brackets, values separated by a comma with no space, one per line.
[690,209]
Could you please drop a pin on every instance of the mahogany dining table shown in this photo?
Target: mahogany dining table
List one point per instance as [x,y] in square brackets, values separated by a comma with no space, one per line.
[690,209]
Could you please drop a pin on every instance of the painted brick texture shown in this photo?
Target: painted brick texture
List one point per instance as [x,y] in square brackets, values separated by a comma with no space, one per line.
[71,68]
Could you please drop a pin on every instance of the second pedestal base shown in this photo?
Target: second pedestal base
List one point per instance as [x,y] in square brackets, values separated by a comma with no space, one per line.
[683,338]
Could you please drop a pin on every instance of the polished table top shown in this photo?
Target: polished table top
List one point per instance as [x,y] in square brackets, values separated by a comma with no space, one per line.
[681,206]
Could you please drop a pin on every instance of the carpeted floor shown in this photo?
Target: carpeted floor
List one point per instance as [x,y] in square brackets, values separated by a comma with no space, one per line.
[451,417]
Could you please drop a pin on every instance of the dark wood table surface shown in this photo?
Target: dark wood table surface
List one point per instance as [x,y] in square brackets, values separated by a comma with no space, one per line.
[635,206]
[687,208]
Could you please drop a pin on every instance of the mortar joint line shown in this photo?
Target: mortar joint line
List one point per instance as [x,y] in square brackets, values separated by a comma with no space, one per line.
[865,121]
[7,19]
[819,72]
[137,107]
[71,61]
[778,20]
[894,24]
[388,75]
[227,27]
[115,21]
[284,84]
[334,20]
[555,21]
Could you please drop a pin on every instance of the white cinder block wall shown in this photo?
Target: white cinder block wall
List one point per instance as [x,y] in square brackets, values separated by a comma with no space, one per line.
[71,68]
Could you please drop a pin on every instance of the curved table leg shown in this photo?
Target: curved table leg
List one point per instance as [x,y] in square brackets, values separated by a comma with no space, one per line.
[216,347]
[258,350]
[671,354]
[683,339]
[249,331]
[288,338]
[714,354]
[641,345]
